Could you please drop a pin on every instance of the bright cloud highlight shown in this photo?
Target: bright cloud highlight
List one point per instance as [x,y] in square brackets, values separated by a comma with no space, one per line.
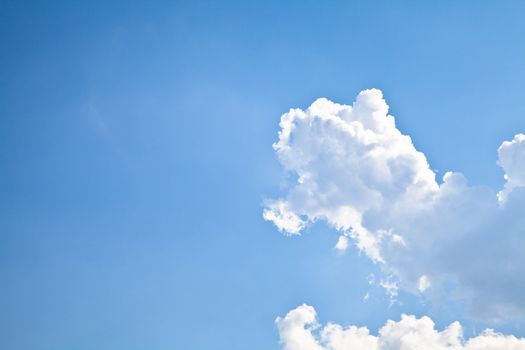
[359,173]
[512,160]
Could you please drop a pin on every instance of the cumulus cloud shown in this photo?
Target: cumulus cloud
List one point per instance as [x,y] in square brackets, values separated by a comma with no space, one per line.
[355,170]
[300,330]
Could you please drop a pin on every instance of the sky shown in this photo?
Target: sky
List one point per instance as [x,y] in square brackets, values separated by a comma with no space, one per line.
[150,198]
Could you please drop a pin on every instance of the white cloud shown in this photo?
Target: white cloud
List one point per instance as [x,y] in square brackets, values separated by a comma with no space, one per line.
[512,160]
[286,220]
[349,161]
[342,243]
[359,173]
[299,330]
[295,329]
[423,283]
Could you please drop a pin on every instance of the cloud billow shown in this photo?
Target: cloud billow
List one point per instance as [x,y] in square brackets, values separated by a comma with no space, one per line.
[359,173]
[299,330]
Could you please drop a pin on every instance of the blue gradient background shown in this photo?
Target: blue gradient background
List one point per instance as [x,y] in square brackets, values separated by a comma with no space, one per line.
[135,153]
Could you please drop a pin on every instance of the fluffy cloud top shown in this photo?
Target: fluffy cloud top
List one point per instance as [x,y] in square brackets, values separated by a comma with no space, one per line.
[512,160]
[299,330]
[358,172]
[349,161]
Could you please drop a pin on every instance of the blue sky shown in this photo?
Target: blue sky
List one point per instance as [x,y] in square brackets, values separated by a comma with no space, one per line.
[136,156]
